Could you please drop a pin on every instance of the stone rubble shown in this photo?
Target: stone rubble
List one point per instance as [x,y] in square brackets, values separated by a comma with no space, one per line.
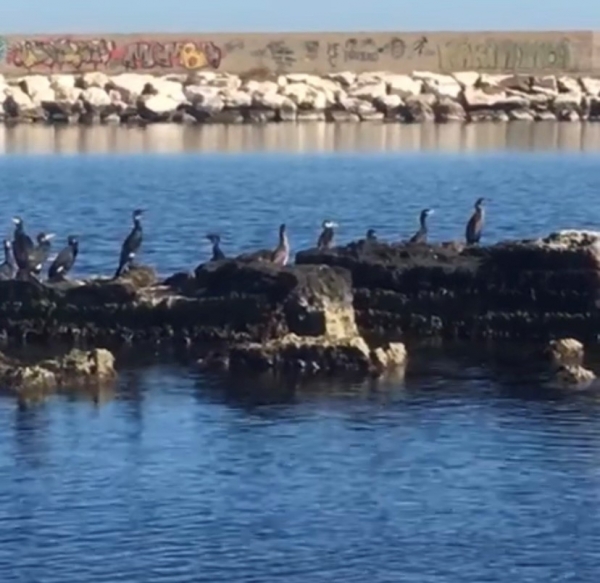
[210,97]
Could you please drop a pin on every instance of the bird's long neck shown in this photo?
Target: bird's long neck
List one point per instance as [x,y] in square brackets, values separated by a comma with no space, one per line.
[75,249]
[424,223]
[7,255]
[216,248]
[137,225]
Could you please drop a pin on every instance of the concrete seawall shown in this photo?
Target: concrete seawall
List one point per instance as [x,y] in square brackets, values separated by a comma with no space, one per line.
[315,53]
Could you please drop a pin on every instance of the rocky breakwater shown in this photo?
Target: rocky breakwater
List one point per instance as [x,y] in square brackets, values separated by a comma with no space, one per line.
[211,97]
[255,315]
[532,289]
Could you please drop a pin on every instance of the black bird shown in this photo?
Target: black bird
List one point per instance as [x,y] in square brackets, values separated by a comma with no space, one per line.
[132,243]
[65,260]
[475,224]
[38,255]
[7,269]
[22,244]
[281,254]
[371,236]
[421,235]
[216,241]
[326,236]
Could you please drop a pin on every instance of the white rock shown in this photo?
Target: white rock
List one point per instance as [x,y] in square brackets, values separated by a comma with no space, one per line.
[160,104]
[568,84]
[211,104]
[231,82]
[389,101]
[205,77]
[466,78]
[273,101]
[96,79]
[440,85]
[62,82]
[369,78]
[21,98]
[568,100]
[478,98]
[403,85]
[97,97]
[307,97]
[345,78]
[368,92]
[172,89]
[35,84]
[67,94]
[236,98]
[260,87]
[282,81]
[520,115]
[42,95]
[131,82]
[590,85]
[200,93]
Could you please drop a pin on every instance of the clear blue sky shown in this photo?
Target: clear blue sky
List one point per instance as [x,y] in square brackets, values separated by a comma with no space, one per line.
[77,16]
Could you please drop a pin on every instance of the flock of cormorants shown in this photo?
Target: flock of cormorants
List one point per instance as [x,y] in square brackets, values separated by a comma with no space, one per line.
[29,259]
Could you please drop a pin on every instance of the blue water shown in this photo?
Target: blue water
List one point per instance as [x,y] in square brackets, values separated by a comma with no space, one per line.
[464,471]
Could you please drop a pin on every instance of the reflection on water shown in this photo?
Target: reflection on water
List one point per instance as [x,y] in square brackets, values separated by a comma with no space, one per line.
[308,137]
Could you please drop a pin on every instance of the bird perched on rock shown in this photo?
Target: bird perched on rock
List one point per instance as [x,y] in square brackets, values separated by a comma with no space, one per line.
[7,268]
[326,237]
[217,254]
[421,235]
[39,255]
[281,254]
[371,235]
[132,243]
[22,244]
[475,224]
[65,260]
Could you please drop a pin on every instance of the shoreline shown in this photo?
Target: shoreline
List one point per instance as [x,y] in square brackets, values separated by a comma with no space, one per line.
[210,98]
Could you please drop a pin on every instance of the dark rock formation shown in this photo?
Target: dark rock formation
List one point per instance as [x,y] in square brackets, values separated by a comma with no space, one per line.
[76,368]
[528,289]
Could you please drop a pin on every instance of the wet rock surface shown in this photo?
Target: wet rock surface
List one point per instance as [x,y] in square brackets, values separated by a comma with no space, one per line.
[75,368]
[336,309]
[535,289]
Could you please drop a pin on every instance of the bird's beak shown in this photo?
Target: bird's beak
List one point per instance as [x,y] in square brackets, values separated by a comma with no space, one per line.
[334,224]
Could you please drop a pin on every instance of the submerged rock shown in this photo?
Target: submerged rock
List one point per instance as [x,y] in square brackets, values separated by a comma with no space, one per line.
[76,368]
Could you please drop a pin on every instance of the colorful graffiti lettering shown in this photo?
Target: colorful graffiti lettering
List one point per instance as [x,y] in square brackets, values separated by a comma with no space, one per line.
[505,55]
[60,53]
[191,55]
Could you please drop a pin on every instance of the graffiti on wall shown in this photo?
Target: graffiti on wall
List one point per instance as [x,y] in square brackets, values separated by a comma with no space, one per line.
[151,54]
[505,55]
[282,56]
[367,50]
[60,53]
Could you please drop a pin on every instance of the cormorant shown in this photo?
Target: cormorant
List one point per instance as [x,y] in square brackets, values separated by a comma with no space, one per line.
[475,224]
[65,260]
[216,241]
[281,254]
[22,244]
[371,236]
[7,269]
[38,255]
[326,237]
[132,243]
[421,235]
